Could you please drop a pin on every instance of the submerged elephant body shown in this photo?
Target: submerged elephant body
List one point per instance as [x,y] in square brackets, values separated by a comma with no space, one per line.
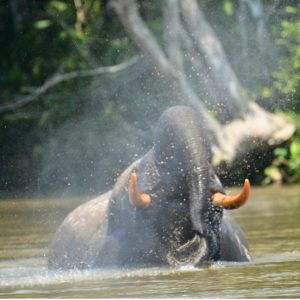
[160,210]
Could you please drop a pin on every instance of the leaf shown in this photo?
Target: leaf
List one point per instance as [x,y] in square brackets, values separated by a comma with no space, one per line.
[266,93]
[42,24]
[44,118]
[273,173]
[281,152]
[228,7]
[295,149]
[59,5]
[291,10]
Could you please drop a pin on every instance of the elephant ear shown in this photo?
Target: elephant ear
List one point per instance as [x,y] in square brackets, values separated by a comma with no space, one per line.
[137,199]
[232,202]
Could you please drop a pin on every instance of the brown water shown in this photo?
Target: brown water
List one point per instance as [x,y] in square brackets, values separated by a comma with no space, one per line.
[271,221]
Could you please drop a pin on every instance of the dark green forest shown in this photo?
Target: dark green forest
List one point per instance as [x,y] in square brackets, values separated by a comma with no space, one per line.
[81,90]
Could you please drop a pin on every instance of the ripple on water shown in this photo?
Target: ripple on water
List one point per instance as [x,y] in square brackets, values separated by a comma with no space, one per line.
[233,279]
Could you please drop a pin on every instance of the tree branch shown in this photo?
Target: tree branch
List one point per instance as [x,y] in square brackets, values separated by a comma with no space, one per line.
[80,16]
[258,130]
[176,82]
[172,32]
[201,70]
[207,42]
[140,34]
[59,78]
[145,41]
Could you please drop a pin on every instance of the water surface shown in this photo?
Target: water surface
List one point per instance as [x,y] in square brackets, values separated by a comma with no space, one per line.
[271,221]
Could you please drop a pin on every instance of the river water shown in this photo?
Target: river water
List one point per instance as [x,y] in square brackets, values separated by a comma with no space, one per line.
[271,221]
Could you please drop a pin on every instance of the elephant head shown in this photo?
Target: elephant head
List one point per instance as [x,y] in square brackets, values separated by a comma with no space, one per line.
[169,205]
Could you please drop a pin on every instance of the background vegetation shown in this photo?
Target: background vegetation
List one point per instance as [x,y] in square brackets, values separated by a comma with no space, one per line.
[78,135]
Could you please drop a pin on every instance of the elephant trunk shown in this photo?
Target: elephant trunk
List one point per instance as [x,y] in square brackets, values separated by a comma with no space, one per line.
[181,135]
[191,252]
[196,158]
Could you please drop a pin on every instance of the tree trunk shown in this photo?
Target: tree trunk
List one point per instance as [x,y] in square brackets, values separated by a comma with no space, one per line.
[234,103]
[247,127]
[19,11]
[172,33]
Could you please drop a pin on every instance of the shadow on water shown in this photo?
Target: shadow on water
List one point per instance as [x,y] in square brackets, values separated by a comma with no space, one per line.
[271,221]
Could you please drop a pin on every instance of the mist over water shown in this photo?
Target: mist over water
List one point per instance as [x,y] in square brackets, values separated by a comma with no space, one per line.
[86,155]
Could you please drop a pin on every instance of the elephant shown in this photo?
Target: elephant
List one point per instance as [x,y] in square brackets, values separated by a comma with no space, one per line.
[167,208]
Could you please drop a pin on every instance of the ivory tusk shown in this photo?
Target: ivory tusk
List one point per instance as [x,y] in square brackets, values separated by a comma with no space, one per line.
[137,199]
[232,202]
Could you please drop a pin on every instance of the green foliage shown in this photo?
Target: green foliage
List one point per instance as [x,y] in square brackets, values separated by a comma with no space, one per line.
[287,79]
[286,164]
[286,86]
[59,6]
[47,41]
